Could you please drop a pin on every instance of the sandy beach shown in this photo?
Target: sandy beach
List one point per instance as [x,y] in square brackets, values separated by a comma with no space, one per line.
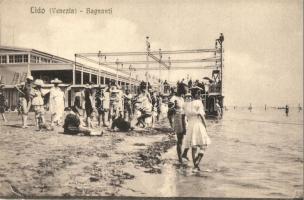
[40,163]
[245,159]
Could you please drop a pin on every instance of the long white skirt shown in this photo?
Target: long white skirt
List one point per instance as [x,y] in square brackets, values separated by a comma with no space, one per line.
[196,134]
[57,108]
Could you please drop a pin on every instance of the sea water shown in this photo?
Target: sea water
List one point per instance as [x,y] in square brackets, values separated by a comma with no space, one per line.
[252,154]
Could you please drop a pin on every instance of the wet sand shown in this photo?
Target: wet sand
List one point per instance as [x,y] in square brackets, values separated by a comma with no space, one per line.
[258,154]
[252,155]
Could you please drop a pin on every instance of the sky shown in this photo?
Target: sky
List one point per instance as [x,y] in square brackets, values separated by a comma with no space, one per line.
[263,47]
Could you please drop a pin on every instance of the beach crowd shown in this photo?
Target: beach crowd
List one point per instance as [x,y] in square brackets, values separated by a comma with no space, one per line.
[96,108]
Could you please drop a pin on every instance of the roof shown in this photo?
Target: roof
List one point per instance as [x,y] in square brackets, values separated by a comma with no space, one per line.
[5,49]
[21,49]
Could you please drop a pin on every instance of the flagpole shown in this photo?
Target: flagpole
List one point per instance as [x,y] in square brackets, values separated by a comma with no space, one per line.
[117,71]
[147,59]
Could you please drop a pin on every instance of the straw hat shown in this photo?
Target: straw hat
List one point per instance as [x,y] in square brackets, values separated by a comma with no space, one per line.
[56,80]
[115,91]
[188,95]
[30,77]
[38,82]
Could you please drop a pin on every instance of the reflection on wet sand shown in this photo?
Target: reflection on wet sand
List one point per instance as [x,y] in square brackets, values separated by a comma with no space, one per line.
[246,159]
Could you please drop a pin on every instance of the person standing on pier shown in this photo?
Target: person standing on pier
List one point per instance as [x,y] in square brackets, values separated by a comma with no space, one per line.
[190,83]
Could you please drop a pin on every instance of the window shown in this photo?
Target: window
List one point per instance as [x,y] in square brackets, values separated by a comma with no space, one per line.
[25,58]
[43,60]
[3,59]
[18,58]
[34,59]
[11,59]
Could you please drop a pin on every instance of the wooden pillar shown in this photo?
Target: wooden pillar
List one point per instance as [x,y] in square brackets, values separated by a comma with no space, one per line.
[98,77]
[29,65]
[74,72]
[81,75]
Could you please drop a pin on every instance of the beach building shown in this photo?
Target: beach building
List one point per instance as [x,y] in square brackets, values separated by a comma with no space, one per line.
[16,63]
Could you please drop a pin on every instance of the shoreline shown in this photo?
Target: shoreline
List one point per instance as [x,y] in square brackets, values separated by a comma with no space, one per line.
[245,160]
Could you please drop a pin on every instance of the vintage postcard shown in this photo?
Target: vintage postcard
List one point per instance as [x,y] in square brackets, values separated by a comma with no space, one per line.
[141,98]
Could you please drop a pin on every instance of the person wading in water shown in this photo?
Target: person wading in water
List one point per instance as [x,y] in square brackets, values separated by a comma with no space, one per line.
[196,135]
[179,125]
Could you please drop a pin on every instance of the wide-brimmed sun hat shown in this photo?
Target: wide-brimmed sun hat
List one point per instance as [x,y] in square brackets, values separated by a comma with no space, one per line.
[115,91]
[38,82]
[188,95]
[30,77]
[56,80]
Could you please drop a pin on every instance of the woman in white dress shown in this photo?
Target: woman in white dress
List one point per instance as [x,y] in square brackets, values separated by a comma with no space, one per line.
[56,105]
[196,134]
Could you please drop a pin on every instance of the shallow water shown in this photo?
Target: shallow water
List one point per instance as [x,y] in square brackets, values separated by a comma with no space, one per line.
[253,154]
